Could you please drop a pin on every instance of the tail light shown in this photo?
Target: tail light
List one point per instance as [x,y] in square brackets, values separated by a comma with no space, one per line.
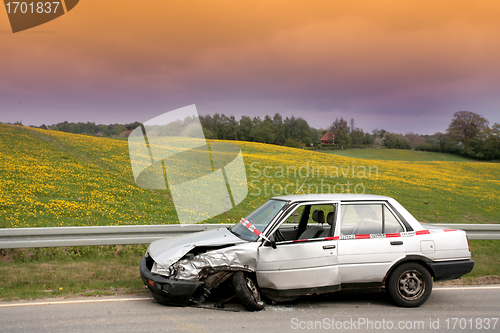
[468,243]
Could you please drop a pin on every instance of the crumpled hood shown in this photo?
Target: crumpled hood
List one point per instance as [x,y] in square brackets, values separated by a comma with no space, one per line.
[167,251]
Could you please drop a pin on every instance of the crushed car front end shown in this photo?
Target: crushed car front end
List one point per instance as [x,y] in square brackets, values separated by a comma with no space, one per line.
[192,269]
[165,290]
[177,270]
[187,269]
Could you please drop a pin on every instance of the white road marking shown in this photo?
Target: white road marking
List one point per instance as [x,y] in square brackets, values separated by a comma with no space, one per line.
[149,298]
[77,301]
[467,287]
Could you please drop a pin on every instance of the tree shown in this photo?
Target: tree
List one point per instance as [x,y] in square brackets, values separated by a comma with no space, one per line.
[207,124]
[220,125]
[316,136]
[208,134]
[129,127]
[380,133]
[340,125]
[279,129]
[395,141]
[352,125]
[466,126]
[442,140]
[303,131]
[492,144]
[414,139]
[290,124]
[246,126]
[357,136]
[263,131]
[485,147]
[233,128]
[368,139]
[340,130]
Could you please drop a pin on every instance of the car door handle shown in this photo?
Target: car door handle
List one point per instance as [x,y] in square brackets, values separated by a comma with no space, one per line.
[328,247]
[396,243]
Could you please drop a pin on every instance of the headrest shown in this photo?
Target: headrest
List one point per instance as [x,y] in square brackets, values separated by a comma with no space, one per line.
[319,216]
[329,218]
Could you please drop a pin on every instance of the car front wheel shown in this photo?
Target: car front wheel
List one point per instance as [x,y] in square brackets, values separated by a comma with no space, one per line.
[409,285]
[247,292]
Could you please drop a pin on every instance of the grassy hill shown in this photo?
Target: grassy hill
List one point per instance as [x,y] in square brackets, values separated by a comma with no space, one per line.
[50,178]
[397,155]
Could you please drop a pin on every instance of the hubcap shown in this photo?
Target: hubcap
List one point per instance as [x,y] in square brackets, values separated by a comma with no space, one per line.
[411,285]
[253,289]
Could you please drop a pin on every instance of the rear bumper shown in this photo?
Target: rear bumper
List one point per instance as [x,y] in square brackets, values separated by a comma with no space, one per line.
[449,270]
[167,291]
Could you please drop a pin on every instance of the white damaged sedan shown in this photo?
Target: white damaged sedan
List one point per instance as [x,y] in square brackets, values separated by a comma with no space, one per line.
[308,244]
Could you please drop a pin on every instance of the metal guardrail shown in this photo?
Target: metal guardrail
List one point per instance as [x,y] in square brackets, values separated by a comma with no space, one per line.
[474,231]
[11,238]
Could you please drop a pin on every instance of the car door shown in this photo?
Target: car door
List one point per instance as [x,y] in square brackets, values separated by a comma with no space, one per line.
[299,263]
[370,242]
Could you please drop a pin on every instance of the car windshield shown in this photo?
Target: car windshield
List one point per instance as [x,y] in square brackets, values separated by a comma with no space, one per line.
[258,219]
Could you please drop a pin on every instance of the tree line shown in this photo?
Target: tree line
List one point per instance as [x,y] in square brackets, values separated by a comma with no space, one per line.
[292,132]
[468,134]
[90,128]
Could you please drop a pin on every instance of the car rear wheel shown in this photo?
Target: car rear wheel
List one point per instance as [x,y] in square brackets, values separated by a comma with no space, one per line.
[410,285]
[247,292]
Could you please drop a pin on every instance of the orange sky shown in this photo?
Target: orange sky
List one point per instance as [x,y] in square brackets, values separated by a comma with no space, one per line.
[388,64]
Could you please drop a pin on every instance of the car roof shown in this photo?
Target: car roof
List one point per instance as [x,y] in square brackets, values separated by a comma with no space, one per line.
[332,197]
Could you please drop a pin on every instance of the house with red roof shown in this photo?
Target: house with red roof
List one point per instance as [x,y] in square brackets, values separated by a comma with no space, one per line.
[327,139]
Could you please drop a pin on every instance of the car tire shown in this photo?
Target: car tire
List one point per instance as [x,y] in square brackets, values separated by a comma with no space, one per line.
[409,285]
[247,292]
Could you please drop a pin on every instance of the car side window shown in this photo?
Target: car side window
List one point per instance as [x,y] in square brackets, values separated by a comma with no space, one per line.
[295,216]
[315,221]
[349,219]
[391,224]
[321,220]
[360,219]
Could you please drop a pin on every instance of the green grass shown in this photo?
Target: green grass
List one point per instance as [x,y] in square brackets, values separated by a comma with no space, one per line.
[112,270]
[486,255]
[396,155]
[82,271]
[57,179]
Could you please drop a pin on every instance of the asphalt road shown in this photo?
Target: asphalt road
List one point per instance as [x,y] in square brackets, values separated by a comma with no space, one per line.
[470,309]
